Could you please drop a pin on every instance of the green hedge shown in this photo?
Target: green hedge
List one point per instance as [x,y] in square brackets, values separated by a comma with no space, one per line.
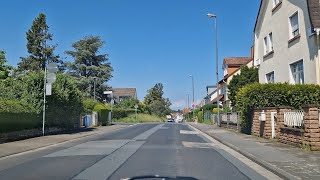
[16,115]
[200,119]
[63,107]
[273,95]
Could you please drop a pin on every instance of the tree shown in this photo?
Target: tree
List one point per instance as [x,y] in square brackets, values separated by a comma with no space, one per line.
[247,76]
[155,101]
[39,50]
[4,69]
[154,94]
[89,67]
[127,103]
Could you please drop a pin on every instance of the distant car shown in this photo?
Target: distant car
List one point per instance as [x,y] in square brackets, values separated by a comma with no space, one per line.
[170,120]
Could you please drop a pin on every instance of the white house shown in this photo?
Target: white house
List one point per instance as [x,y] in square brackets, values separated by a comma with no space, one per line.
[286,41]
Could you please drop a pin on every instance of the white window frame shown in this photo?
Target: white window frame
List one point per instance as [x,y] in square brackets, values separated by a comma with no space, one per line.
[268,44]
[276,2]
[297,73]
[292,29]
[268,79]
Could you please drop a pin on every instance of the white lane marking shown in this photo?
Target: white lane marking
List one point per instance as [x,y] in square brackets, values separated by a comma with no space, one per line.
[188,132]
[91,148]
[256,167]
[148,133]
[105,167]
[198,145]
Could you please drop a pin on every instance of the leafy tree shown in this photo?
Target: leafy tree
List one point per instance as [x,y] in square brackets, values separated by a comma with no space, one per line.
[247,76]
[89,67]
[4,69]
[154,94]
[155,101]
[39,50]
[127,103]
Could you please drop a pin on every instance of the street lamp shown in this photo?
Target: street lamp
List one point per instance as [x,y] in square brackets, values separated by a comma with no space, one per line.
[217,62]
[192,95]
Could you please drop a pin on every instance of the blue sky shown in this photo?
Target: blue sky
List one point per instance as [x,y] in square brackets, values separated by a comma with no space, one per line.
[148,41]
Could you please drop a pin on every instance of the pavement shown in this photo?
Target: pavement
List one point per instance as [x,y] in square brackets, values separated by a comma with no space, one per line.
[165,149]
[287,161]
[16,147]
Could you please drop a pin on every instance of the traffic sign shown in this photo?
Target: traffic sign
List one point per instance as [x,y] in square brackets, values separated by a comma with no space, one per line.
[52,67]
[51,77]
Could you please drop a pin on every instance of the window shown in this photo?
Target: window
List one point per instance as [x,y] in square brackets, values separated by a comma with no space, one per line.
[294,25]
[276,2]
[270,77]
[297,72]
[268,44]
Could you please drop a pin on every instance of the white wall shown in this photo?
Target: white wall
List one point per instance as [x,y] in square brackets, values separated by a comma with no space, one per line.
[286,53]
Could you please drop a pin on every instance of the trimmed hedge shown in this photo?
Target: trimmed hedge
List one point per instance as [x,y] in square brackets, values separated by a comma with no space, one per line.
[200,119]
[273,95]
[16,115]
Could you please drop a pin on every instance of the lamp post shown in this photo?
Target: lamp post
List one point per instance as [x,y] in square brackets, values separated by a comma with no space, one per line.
[192,95]
[217,63]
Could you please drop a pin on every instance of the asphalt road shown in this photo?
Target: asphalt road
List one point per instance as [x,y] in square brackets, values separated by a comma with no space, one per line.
[144,149]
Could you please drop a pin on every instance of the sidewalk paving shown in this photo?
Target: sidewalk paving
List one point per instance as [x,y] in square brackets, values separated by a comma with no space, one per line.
[284,160]
[7,149]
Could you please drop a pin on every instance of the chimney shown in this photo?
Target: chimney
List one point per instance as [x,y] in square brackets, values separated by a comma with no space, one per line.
[252,52]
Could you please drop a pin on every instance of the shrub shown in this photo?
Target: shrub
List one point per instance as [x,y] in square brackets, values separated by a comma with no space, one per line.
[88,105]
[119,113]
[63,107]
[200,120]
[16,115]
[215,110]
[273,95]
[209,107]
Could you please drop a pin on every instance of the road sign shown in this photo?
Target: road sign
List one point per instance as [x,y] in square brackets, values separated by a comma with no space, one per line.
[136,106]
[51,78]
[48,89]
[52,67]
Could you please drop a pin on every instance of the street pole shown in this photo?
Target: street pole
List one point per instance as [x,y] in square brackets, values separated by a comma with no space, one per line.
[217,69]
[94,89]
[217,62]
[188,107]
[44,99]
[193,103]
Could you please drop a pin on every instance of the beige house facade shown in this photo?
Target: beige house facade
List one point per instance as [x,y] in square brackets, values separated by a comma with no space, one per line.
[286,41]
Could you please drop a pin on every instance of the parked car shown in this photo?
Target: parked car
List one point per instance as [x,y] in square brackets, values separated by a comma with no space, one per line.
[170,120]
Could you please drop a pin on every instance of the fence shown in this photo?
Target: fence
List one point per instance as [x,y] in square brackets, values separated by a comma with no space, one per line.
[231,120]
[293,119]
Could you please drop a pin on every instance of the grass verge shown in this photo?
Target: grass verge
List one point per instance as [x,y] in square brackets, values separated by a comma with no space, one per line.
[141,118]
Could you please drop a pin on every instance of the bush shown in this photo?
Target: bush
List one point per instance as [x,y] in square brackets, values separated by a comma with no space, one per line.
[273,95]
[63,106]
[119,113]
[200,120]
[16,115]
[209,107]
[89,105]
[215,110]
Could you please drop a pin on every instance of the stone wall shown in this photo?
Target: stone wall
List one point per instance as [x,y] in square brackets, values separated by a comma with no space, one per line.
[311,128]
[307,136]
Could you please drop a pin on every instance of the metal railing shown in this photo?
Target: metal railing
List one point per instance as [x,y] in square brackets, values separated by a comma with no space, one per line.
[294,118]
